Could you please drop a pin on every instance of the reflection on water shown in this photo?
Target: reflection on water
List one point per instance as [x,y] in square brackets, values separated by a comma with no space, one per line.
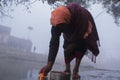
[86,72]
[17,70]
[32,75]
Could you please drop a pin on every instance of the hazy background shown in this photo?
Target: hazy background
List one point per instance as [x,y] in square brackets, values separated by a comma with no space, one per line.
[38,18]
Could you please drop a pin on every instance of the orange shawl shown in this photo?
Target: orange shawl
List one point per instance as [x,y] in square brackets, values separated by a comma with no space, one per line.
[60,15]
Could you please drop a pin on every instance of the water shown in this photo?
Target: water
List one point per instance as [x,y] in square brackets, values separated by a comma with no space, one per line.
[27,70]
[87,73]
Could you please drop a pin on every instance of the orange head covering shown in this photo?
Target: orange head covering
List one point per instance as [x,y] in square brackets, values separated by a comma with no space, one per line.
[60,15]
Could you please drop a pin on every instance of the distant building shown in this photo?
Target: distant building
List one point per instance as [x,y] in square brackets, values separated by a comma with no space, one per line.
[13,42]
[20,44]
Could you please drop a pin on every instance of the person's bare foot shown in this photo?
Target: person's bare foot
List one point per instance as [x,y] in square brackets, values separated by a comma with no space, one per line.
[76,77]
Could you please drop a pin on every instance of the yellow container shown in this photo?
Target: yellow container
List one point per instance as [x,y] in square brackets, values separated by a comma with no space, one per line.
[42,77]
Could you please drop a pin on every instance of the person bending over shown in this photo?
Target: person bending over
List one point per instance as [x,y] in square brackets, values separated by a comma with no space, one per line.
[79,33]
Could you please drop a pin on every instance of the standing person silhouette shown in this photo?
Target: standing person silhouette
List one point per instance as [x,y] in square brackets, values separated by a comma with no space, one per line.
[79,33]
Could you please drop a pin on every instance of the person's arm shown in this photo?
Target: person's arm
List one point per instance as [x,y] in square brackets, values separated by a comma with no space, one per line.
[53,49]
[54,43]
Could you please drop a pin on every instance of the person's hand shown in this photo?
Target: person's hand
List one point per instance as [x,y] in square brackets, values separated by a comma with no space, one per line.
[85,35]
[46,69]
[89,30]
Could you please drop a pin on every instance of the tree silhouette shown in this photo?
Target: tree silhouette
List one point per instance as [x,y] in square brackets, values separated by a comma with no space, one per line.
[112,6]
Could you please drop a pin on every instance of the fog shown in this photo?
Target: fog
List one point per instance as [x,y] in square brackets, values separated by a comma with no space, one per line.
[38,18]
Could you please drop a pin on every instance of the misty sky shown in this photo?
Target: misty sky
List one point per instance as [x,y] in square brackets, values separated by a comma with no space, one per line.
[40,35]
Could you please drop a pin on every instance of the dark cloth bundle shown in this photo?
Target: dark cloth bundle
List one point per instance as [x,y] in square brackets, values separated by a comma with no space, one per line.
[80,20]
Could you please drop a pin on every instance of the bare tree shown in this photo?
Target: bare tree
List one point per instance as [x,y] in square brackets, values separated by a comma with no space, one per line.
[9,5]
[112,6]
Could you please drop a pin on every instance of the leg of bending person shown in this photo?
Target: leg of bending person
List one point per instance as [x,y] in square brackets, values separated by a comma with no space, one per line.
[67,65]
[79,56]
[68,57]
